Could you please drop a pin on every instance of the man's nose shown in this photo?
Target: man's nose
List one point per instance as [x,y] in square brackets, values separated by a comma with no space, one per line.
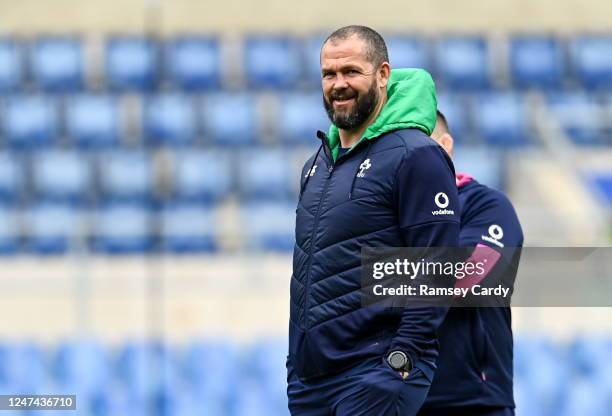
[340,83]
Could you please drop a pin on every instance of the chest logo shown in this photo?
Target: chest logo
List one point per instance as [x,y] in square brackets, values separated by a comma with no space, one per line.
[441,200]
[365,165]
[311,171]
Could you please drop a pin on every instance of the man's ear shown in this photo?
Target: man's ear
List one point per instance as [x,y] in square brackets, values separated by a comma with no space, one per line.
[384,72]
[447,143]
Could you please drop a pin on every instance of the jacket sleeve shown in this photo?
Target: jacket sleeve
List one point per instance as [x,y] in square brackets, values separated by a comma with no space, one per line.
[427,204]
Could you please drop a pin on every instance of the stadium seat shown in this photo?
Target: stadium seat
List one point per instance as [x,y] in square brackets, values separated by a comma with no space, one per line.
[122,229]
[265,174]
[60,175]
[209,367]
[483,163]
[455,109]
[193,63]
[269,226]
[11,177]
[501,119]
[11,66]
[58,64]
[536,61]
[93,121]
[408,52]
[462,62]
[272,62]
[9,230]
[602,182]
[311,55]
[187,229]
[590,352]
[53,228]
[202,176]
[580,115]
[82,365]
[131,63]
[170,119]
[30,121]
[585,397]
[300,116]
[591,58]
[231,119]
[127,176]
[23,367]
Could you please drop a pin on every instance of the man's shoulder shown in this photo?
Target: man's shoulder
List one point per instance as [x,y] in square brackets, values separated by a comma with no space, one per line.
[407,139]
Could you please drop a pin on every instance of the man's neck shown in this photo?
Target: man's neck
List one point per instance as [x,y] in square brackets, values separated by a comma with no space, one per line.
[349,138]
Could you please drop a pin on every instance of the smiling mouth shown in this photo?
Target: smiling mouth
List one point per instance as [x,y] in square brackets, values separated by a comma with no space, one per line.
[343,102]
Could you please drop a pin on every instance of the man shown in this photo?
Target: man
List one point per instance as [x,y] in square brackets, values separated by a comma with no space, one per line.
[474,376]
[373,182]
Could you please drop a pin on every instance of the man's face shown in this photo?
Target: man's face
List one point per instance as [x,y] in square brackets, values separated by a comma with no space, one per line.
[350,87]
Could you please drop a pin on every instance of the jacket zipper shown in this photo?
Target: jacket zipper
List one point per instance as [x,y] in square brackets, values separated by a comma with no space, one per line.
[330,170]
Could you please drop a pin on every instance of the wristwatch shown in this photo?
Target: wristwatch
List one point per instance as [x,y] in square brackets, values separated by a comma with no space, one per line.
[399,361]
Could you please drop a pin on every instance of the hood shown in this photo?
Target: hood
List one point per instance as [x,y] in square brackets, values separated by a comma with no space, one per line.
[411,103]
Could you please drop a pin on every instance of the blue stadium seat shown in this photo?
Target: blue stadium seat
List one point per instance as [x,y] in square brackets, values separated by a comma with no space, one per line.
[194,63]
[11,66]
[82,365]
[501,119]
[122,229]
[93,121]
[408,52]
[53,228]
[127,176]
[585,397]
[23,367]
[202,176]
[60,175]
[272,62]
[536,61]
[590,352]
[209,367]
[269,226]
[170,119]
[231,119]
[11,177]
[9,230]
[455,109]
[30,121]
[463,62]
[265,174]
[131,63]
[188,228]
[591,58]
[580,115]
[300,116]
[483,163]
[146,369]
[603,184]
[311,51]
[58,63]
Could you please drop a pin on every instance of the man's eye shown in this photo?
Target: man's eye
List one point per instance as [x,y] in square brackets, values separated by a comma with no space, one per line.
[352,72]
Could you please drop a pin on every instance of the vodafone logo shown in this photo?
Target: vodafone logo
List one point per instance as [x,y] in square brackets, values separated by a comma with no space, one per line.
[441,200]
[496,233]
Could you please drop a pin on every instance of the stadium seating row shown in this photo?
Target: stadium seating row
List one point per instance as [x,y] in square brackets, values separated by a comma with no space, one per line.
[196,62]
[95,121]
[221,378]
[125,228]
[202,176]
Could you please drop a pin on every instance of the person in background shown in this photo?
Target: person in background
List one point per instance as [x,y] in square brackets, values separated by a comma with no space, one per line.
[475,366]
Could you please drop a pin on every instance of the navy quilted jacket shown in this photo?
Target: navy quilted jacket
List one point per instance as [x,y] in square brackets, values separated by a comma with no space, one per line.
[381,193]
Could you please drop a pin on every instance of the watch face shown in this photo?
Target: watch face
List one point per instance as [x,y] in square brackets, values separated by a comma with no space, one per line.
[397,360]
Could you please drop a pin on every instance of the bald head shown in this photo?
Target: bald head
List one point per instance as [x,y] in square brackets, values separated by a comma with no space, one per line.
[441,134]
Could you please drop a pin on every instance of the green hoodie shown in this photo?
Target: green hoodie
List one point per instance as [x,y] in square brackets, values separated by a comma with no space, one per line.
[411,103]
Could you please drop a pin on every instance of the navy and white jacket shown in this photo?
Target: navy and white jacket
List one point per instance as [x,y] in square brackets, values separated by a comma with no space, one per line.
[475,364]
[382,193]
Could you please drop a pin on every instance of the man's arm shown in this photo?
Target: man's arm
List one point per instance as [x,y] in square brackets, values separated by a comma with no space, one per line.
[428,212]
